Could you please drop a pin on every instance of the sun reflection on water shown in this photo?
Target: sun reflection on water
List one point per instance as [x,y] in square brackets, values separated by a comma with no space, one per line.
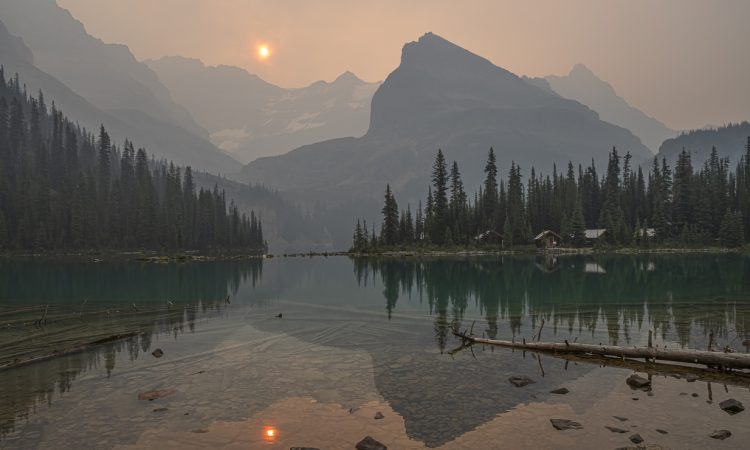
[270,433]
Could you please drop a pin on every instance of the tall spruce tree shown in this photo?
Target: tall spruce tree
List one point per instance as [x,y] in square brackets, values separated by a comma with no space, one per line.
[490,203]
[390,229]
[440,199]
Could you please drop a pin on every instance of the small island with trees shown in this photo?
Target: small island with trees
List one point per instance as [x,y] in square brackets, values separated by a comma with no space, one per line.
[681,208]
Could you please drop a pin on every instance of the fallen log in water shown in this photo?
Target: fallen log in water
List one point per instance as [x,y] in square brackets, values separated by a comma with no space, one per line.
[68,351]
[691,373]
[721,359]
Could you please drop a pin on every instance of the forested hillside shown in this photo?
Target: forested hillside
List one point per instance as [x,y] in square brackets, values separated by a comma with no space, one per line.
[728,140]
[62,187]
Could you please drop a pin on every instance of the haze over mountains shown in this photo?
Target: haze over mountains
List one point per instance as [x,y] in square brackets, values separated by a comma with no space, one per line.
[110,80]
[331,147]
[250,118]
[442,96]
[582,85]
[286,228]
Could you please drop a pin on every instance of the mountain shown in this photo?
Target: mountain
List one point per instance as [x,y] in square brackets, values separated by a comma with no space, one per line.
[582,85]
[250,118]
[441,96]
[285,227]
[110,80]
[730,141]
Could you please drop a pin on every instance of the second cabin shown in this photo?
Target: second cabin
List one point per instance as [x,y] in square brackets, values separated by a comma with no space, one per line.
[547,239]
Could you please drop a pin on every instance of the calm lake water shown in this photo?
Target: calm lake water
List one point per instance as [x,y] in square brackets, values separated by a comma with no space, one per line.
[357,337]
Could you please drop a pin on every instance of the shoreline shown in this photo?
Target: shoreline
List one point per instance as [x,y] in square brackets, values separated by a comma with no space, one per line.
[195,256]
[552,252]
[130,256]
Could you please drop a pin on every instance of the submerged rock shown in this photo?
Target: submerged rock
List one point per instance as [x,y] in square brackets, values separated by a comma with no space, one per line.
[158,353]
[304,448]
[153,395]
[158,410]
[636,381]
[635,438]
[621,419]
[565,424]
[732,406]
[644,447]
[615,429]
[520,381]
[720,434]
[561,391]
[659,430]
[368,443]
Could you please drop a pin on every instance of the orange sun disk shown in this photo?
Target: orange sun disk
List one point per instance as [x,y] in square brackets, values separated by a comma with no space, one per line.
[264,52]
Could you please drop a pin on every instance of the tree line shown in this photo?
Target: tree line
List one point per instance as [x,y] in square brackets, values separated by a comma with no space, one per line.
[62,187]
[684,205]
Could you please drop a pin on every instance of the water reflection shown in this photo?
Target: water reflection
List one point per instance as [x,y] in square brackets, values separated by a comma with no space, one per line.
[394,314]
[141,301]
[681,298]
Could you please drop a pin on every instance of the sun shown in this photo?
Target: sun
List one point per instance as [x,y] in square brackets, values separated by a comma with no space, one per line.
[263,51]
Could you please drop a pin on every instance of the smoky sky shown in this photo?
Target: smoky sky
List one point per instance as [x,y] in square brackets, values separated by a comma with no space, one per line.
[684,62]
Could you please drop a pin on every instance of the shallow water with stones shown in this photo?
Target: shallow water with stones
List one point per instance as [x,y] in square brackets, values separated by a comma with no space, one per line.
[357,337]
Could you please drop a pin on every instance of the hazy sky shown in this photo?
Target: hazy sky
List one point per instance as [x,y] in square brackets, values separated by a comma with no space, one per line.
[683,61]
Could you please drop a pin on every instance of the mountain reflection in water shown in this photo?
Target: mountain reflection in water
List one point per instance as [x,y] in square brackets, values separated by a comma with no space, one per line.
[400,311]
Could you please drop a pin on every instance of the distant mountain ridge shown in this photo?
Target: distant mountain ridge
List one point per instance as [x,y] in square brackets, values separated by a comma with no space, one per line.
[582,85]
[730,141]
[286,228]
[443,96]
[250,118]
[104,82]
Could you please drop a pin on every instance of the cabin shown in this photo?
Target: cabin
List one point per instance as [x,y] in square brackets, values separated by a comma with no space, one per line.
[645,233]
[595,233]
[489,237]
[547,239]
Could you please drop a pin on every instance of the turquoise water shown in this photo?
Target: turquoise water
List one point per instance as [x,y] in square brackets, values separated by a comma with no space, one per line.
[356,334]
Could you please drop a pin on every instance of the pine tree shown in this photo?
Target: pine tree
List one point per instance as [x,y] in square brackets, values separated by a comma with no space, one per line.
[457,204]
[611,216]
[439,199]
[578,226]
[419,233]
[490,192]
[507,233]
[732,233]
[390,229]
[516,214]
[682,206]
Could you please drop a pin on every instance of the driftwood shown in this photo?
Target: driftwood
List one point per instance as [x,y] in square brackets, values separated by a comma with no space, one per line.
[723,359]
[697,373]
[68,351]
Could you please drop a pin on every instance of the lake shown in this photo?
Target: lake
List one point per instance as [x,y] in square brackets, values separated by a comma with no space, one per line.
[358,338]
